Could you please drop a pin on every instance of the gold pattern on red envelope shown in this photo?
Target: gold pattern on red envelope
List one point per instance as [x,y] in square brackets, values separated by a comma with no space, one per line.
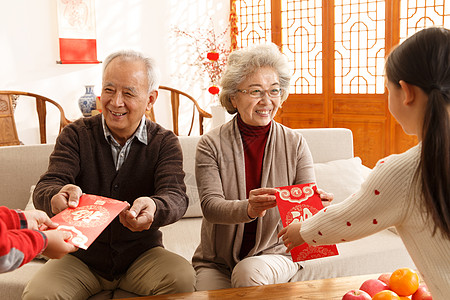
[297,203]
[314,252]
[86,216]
[86,221]
[300,213]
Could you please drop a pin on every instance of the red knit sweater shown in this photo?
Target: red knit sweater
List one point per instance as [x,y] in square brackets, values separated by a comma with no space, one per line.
[18,245]
[254,140]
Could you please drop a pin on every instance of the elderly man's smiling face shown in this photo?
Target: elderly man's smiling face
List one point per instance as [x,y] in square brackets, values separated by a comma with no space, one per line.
[125,96]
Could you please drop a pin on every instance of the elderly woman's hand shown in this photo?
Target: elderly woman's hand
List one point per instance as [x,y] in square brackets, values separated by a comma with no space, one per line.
[260,200]
[325,197]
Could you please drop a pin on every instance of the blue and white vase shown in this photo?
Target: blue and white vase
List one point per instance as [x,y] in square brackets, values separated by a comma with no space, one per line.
[87,102]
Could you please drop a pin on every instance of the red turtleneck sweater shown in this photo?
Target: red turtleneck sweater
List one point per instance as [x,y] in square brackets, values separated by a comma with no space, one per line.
[254,140]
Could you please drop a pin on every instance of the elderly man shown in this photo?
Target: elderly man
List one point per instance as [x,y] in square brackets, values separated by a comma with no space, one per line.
[122,155]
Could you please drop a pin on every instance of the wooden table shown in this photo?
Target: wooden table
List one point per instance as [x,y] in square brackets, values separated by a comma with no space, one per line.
[324,289]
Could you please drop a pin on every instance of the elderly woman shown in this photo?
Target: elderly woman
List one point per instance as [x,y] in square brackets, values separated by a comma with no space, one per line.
[238,166]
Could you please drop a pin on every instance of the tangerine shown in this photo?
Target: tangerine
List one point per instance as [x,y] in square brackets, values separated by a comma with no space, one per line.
[404,281]
[386,295]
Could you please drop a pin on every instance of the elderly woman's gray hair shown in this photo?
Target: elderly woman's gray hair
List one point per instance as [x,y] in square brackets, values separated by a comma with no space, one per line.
[244,62]
[153,72]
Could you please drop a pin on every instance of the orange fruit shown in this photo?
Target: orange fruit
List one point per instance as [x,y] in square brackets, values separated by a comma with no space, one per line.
[386,295]
[404,281]
[405,298]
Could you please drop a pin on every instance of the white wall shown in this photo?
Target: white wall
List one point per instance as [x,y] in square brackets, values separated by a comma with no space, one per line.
[29,51]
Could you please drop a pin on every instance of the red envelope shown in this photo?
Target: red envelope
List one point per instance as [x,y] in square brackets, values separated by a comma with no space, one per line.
[88,219]
[297,203]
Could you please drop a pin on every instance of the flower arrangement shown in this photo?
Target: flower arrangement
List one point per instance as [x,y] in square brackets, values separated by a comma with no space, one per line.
[211,51]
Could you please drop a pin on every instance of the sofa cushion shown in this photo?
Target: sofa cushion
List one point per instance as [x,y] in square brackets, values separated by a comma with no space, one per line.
[194,209]
[30,204]
[341,177]
[182,237]
[189,147]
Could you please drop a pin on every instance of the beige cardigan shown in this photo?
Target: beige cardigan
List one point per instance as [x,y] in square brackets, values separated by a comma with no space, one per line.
[220,174]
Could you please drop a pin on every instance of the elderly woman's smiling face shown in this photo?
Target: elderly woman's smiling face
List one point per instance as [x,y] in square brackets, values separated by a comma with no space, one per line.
[258,111]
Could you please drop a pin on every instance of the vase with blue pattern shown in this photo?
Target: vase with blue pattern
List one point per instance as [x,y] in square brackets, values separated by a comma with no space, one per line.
[87,102]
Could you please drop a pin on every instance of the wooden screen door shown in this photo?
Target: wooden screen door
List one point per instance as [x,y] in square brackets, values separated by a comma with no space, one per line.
[336,49]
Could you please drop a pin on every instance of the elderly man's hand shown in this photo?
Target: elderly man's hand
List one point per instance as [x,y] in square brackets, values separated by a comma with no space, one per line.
[140,216]
[68,196]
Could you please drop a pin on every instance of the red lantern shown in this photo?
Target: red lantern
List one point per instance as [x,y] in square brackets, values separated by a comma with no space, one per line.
[213,90]
[212,55]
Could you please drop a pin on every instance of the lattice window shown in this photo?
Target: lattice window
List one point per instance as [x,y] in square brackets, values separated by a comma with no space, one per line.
[356,57]
[359,46]
[254,17]
[302,43]
[418,14]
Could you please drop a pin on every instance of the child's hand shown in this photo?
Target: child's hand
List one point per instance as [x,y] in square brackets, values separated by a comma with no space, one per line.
[37,218]
[291,236]
[57,245]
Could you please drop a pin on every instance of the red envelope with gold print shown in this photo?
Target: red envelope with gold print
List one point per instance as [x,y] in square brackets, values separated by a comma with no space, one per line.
[297,203]
[88,219]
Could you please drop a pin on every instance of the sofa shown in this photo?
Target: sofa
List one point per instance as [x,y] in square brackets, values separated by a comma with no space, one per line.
[337,171]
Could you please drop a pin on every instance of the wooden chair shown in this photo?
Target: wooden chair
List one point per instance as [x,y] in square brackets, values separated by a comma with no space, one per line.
[8,131]
[175,101]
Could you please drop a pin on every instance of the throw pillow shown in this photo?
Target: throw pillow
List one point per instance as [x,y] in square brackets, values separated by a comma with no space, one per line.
[341,177]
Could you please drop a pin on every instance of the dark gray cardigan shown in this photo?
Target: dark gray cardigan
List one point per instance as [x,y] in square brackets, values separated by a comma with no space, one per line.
[83,157]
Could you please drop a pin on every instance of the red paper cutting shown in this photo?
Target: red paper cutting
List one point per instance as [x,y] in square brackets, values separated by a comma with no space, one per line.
[89,218]
[297,203]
